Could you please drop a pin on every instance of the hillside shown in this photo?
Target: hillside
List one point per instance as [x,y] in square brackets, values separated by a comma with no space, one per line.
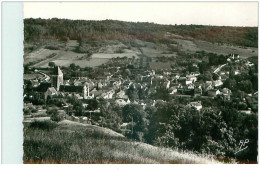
[120,30]
[71,142]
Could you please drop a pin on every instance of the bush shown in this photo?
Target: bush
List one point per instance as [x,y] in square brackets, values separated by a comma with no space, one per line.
[43,125]
[50,47]
[57,117]
[34,110]
[26,111]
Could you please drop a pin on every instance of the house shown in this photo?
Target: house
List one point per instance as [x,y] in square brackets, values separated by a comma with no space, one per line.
[226,93]
[96,92]
[173,90]
[35,83]
[66,82]
[182,79]
[191,86]
[196,74]
[197,105]
[217,83]
[121,95]
[237,72]
[188,81]
[197,91]
[115,83]
[191,77]
[122,102]
[71,88]
[177,76]
[143,105]
[124,125]
[51,91]
[180,86]
[213,93]
[77,96]
[100,85]
[207,86]
[108,95]
[246,111]
[85,105]
[249,64]
[195,65]
[77,83]
[167,84]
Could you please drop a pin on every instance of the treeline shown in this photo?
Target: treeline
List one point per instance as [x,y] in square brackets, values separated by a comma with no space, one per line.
[109,29]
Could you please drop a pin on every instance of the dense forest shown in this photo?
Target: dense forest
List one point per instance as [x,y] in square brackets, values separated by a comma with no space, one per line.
[110,29]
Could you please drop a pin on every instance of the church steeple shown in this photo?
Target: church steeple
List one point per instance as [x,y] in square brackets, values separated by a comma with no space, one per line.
[57,78]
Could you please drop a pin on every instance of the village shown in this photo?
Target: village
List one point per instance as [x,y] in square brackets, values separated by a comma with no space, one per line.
[132,83]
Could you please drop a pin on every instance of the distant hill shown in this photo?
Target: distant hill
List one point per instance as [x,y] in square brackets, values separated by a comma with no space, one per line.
[71,142]
[120,30]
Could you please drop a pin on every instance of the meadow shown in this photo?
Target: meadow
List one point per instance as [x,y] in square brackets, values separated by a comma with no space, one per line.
[72,142]
[65,53]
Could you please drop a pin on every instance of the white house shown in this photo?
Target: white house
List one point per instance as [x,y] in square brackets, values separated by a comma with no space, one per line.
[108,95]
[122,102]
[173,90]
[218,83]
[196,105]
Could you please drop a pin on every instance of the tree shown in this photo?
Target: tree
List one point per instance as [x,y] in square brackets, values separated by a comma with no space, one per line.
[245,85]
[230,84]
[126,73]
[51,64]
[78,108]
[215,77]
[132,93]
[55,116]
[135,116]
[73,66]
[203,66]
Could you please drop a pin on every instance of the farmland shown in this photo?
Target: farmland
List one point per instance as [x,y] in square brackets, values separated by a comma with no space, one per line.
[67,55]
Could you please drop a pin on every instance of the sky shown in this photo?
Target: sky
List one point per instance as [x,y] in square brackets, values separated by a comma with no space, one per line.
[202,13]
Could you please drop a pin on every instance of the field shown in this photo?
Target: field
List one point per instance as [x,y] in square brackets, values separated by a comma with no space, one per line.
[160,65]
[31,76]
[39,55]
[71,142]
[108,49]
[191,46]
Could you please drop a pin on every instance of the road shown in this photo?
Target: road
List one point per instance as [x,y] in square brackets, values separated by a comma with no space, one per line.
[219,68]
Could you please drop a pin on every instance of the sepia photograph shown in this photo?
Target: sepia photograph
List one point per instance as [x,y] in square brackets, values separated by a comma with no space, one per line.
[140,83]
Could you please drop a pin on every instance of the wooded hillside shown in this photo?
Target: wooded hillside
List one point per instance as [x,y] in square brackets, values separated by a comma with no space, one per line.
[119,30]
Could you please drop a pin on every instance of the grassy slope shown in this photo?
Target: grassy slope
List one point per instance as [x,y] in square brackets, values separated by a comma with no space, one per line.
[71,142]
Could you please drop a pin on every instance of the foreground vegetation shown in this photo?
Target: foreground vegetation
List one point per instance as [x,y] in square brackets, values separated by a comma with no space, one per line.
[71,142]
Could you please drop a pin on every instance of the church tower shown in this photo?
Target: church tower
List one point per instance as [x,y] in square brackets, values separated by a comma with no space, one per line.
[86,94]
[57,78]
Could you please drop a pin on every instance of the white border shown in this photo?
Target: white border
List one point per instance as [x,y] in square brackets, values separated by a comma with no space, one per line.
[120,172]
[12,82]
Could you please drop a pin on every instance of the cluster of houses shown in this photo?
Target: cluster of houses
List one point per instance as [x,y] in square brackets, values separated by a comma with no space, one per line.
[112,86]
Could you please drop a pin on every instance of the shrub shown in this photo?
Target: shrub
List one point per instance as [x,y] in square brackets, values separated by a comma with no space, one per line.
[50,47]
[43,125]
[34,110]
[26,111]
[57,117]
